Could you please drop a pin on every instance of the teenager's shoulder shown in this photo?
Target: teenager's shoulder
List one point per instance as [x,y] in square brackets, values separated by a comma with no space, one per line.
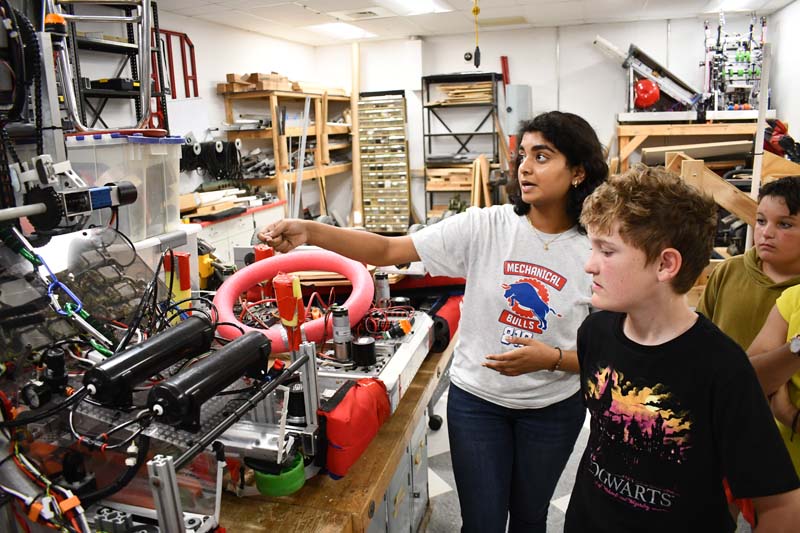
[705,330]
[732,265]
[722,352]
[601,320]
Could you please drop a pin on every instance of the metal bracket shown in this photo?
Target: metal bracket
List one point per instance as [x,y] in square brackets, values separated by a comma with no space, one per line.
[164,485]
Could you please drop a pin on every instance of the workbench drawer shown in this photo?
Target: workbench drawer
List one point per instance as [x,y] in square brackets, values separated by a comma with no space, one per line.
[398,497]
[419,473]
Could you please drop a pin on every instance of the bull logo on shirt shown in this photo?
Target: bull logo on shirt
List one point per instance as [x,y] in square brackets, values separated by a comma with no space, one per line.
[529,298]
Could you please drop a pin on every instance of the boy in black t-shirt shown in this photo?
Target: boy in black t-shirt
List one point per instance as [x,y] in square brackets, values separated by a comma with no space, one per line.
[675,405]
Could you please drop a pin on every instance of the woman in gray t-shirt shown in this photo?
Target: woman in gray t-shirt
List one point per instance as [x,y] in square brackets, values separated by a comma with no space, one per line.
[513,407]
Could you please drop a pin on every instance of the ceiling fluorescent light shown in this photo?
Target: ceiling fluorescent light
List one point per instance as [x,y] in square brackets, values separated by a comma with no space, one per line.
[341,31]
[407,8]
[729,6]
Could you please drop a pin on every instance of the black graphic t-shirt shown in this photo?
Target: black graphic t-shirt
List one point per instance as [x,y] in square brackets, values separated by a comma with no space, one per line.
[668,422]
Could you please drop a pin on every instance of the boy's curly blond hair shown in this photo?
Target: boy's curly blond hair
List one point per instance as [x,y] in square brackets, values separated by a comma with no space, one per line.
[654,209]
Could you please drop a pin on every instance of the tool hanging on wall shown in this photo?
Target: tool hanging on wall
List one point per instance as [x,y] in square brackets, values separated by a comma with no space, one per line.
[475,12]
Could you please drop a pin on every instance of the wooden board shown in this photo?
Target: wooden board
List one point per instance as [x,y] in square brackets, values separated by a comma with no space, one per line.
[631,130]
[449,171]
[216,208]
[487,195]
[256,514]
[725,194]
[774,167]
[475,183]
[505,152]
[188,202]
[655,155]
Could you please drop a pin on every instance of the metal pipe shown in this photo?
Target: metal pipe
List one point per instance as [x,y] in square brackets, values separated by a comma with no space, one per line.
[669,38]
[763,104]
[213,434]
[145,64]
[103,2]
[12,213]
[65,69]
[298,187]
[100,18]
[558,69]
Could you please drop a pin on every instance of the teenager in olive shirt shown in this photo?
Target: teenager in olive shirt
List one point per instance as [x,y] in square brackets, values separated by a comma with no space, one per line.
[741,291]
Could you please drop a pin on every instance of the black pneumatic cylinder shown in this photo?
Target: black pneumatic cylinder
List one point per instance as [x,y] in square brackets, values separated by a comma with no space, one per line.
[126,192]
[177,400]
[113,380]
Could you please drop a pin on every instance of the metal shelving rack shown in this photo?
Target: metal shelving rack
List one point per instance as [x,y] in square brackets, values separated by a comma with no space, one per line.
[129,51]
[384,161]
[450,172]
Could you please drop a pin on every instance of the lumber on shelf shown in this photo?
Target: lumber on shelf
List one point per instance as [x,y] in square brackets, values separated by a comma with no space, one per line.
[259,81]
[460,93]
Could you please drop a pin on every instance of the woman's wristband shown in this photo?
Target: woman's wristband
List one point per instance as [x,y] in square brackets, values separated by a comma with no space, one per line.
[557,365]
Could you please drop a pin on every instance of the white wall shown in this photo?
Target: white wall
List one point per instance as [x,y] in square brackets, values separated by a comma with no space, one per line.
[218,51]
[785,74]
[563,68]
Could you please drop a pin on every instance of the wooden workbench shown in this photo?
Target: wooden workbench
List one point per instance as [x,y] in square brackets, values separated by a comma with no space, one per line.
[631,136]
[346,505]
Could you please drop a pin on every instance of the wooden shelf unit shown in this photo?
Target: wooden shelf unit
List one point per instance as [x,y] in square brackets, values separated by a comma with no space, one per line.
[317,128]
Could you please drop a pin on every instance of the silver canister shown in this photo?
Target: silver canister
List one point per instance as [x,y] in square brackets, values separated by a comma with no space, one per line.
[382,296]
[342,336]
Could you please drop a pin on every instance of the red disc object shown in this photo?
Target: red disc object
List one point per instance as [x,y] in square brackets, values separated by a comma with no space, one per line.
[647,93]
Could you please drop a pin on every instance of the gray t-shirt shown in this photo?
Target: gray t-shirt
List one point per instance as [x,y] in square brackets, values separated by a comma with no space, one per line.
[514,288]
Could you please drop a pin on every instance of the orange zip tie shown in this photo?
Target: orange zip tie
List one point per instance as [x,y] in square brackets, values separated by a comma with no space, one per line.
[69,504]
[35,510]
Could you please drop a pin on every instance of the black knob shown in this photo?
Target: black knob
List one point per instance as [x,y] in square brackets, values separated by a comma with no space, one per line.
[363,351]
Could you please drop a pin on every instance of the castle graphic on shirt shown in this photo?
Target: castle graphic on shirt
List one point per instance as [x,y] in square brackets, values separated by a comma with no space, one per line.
[634,425]
[528,298]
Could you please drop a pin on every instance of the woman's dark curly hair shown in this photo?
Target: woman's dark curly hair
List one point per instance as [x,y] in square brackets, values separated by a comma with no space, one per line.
[573,137]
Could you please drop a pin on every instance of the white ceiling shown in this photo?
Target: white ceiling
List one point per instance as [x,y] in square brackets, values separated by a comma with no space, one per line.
[289,20]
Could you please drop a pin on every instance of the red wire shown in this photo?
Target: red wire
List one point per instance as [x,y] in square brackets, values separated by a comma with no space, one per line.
[55,495]
[22,522]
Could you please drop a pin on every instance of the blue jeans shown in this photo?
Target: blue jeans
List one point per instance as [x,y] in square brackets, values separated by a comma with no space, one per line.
[507,462]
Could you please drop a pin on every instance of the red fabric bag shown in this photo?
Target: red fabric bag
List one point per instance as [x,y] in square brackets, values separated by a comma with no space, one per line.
[352,419]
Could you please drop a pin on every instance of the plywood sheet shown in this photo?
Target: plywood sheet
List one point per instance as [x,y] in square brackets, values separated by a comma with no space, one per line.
[655,155]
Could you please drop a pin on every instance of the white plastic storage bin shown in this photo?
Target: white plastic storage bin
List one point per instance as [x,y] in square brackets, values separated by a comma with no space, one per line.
[184,239]
[150,163]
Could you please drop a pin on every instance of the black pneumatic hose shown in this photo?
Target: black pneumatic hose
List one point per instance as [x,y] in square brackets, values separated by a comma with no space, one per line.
[143,444]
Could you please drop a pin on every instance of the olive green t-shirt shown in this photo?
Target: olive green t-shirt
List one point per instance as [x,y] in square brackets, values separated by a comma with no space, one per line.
[739,296]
